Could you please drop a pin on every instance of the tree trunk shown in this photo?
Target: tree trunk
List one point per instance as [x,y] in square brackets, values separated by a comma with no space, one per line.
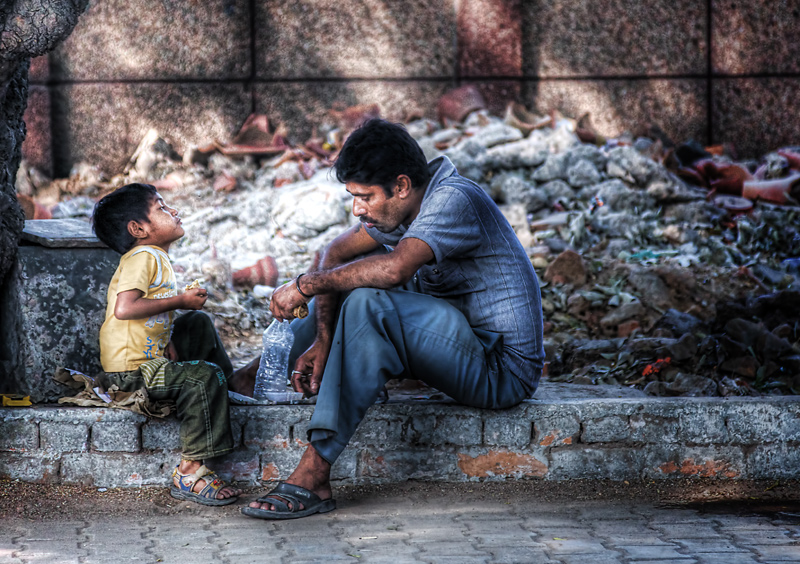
[28,28]
[13,99]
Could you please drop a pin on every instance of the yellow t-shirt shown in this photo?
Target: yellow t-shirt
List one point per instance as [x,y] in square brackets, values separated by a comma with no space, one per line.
[124,345]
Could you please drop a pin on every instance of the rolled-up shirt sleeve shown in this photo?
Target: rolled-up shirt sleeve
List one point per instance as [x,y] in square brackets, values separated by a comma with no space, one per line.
[447,223]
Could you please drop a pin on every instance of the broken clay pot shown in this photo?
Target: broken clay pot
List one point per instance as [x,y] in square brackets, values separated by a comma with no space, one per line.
[776,191]
[263,272]
[457,104]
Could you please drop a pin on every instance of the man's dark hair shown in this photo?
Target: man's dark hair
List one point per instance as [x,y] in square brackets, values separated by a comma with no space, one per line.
[113,212]
[377,153]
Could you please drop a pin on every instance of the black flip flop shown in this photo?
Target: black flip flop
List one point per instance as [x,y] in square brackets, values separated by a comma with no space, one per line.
[311,502]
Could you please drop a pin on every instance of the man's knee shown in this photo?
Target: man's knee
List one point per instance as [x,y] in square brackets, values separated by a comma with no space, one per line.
[365,299]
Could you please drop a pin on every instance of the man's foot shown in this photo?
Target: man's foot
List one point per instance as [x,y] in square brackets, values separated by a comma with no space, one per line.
[185,473]
[313,473]
[243,380]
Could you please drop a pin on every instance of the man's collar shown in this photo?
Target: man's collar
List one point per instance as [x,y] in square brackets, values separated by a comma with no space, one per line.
[440,168]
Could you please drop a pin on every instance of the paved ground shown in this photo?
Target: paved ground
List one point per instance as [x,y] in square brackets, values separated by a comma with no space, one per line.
[534,522]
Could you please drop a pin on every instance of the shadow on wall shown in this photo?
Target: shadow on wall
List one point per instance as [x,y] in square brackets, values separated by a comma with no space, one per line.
[629,65]
[315,56]
[200,70]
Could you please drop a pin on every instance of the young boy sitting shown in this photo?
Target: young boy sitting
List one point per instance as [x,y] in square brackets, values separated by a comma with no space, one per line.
[142,346]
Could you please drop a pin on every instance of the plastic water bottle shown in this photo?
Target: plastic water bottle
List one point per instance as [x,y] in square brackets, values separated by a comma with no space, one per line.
[271,378]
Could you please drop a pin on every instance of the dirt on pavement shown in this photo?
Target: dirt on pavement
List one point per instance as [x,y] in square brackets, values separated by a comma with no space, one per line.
[20,500]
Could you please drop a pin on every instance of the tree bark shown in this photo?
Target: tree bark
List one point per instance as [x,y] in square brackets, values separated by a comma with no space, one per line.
[28,28]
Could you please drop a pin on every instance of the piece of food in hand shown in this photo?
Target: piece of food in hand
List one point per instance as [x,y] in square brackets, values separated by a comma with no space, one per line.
[300,311]
[193,285]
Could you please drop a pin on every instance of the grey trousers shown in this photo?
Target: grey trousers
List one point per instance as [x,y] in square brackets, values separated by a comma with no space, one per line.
[386,334]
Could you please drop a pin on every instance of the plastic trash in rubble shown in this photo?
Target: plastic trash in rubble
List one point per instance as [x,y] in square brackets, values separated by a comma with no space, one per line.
[15,400]
[271,378]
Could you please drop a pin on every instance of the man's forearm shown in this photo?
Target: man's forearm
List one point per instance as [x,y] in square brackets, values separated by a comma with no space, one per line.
[325,306]
[342,251]
[334,277]
[368,272]
[340,271]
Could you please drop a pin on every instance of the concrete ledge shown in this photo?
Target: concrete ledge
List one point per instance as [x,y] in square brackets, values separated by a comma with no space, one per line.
[549,439]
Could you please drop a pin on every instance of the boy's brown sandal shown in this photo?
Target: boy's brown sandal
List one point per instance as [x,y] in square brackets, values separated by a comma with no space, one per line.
[206,496]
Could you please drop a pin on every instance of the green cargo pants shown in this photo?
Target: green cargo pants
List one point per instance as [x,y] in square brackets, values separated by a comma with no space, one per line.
[197,383]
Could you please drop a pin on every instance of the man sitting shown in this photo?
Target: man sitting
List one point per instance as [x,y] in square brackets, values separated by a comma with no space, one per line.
[433,284]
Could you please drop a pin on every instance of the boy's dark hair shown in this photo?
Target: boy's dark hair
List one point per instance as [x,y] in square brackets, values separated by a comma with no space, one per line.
[377,153]
[113,212]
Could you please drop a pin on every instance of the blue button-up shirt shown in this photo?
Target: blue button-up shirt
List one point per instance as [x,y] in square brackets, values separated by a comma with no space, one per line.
[480,267]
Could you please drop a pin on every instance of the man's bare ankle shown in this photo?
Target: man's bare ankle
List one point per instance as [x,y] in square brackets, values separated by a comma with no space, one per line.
[243,380]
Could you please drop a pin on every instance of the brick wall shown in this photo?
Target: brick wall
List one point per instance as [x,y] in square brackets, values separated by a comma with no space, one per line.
[617,439]
[715,71]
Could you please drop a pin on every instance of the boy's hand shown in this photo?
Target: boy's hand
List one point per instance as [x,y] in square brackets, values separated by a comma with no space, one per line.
[194,298]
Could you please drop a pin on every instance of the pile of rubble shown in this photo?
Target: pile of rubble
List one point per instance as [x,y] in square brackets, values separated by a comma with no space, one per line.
[652,276]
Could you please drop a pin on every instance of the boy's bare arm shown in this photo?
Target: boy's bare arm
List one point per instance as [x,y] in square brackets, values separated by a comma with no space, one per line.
[131,304]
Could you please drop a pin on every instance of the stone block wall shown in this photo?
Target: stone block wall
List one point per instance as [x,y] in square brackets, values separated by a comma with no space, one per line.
[616,439]
[717,71]
[56,300]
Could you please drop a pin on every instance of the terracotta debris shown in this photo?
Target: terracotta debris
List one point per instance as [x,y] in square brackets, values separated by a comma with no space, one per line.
[646,249]
[457,104]
[263,272]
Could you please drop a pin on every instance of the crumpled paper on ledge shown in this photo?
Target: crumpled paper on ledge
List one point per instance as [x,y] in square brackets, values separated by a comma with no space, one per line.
[90,396]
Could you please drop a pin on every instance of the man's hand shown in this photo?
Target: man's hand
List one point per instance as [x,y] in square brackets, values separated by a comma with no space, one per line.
[284,300]
[194,298]
[307,373]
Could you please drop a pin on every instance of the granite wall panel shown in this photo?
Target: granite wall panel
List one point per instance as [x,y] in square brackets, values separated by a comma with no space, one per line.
[302,105]
[490,38]
[613,38]
[194,71]
[755,114]
[119,40]
[678,106]
[755,37]
[37,147]
[364,39]
[498,93]
[104,123]
[39,72]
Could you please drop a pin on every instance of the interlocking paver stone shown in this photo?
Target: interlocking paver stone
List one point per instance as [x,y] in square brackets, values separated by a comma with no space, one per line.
[688,531]
[607,558]
[652,552]
[455,559]
[727,558]
[573,546]
[718,544]
[784,553]
[572,532]
[773,536]
[639,537]
[671,561]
